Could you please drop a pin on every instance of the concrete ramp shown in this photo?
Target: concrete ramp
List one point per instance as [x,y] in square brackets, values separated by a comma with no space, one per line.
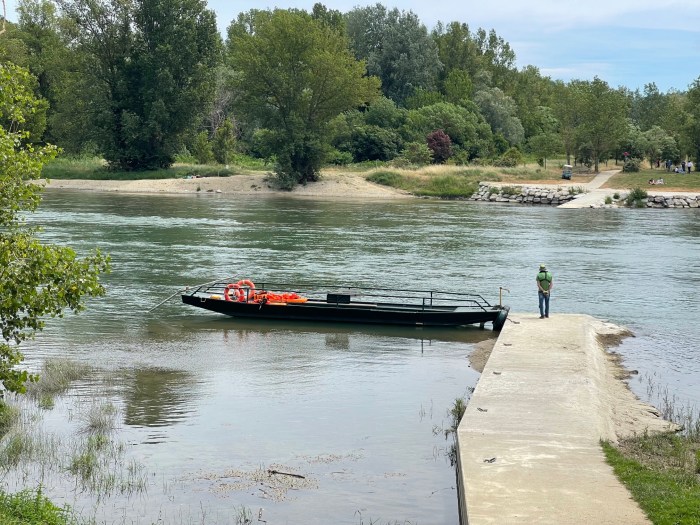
[529,442]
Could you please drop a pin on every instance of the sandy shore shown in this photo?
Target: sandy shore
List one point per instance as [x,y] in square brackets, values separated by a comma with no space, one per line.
[331,185]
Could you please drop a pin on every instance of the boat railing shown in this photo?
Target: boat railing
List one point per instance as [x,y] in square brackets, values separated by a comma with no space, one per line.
[358,294]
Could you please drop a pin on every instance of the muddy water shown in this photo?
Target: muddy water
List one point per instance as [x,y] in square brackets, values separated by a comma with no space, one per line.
[205,406]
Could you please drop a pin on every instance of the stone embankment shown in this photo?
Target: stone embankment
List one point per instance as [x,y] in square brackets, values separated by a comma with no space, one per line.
[666,201]
[577,197]
[524,195]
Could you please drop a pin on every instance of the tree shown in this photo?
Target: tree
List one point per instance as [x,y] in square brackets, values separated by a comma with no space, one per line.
[692,128]
[297,74]
[603,114]
[36,280]
[148,69]
[464,125]
[440,145]
[500,112]
[397,48]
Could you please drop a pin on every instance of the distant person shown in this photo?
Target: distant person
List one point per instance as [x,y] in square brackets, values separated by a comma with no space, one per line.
[668,165]
[689,166]
[683,167]
[544,287]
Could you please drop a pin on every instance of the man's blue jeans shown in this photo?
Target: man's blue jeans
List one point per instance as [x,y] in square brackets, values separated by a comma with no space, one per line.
[544,304]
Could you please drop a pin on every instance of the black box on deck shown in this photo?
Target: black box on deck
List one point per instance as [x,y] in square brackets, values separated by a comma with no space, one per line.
[343,298]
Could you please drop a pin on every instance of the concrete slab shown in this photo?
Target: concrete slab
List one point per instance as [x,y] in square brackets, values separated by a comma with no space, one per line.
[529,442]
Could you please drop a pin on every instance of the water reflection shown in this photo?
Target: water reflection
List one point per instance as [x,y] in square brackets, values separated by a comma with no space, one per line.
[156,397]
[205,394]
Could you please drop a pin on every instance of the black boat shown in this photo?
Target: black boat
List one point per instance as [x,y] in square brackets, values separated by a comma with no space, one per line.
[346,304]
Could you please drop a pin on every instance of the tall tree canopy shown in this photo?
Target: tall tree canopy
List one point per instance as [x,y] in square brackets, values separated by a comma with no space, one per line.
[397,48]
[148,70]
[296,74]
[36,280]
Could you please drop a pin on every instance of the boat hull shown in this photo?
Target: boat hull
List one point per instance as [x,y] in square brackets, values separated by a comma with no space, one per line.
[365,313]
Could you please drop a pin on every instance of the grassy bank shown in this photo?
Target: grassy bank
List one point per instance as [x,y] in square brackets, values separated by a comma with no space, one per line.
[94,168]
[31,508]
[672,181]
[662,471]
[456,182]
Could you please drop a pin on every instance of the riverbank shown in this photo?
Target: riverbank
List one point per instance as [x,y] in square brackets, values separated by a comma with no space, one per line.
[331,185]
[529,441]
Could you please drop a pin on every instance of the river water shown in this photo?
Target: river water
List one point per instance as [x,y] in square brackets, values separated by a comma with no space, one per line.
[203,405]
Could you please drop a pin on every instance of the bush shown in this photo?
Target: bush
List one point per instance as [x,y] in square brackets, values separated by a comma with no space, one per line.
[386,178]
[632,165]
[417,153]
[201,148]
[441,146]
[511,158]
[338,158]
[637,197]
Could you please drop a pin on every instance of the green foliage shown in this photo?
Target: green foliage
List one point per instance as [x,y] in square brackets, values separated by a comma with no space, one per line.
[637,197]
[32,508]
[464,125]
[667,496]
[453,186]
[142,83]
[201,148]
[602,117]
[500,112]
[224,142]
[396,47]
[36,280]
[296,76]
[511,158]
[387,178]
[8,417]
[608,199]
[417,153]
[632,165]
[373,143]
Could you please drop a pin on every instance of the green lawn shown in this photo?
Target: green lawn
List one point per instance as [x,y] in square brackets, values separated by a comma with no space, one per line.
[669,496]
[672,181]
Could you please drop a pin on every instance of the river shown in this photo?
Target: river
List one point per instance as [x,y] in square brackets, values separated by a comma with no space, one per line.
[203,406]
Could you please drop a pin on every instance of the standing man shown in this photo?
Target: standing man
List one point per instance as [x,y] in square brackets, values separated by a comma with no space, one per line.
[544,287]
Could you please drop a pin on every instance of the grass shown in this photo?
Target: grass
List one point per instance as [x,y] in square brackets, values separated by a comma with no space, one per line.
[672,181]
[55,378]
[451,182]
[8,417]
[94,168]
[668,496]
[31,508]
[662,471]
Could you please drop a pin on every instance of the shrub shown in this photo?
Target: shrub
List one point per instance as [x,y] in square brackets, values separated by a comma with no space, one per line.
[511,158]
[632,165]
[201,148]
[386,178]
[417,153]
[637,197]
[441,146]
[608,199]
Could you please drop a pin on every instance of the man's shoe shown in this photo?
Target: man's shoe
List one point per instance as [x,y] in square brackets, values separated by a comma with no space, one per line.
[541,316]
[547,316]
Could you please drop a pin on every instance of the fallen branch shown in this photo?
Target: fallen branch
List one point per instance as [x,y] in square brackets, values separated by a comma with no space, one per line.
[270,471]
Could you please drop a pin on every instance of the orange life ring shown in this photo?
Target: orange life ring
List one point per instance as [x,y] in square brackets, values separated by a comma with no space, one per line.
[240,296]
[250,294]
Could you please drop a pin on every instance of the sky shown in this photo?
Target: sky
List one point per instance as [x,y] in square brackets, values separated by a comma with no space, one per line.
[626,43]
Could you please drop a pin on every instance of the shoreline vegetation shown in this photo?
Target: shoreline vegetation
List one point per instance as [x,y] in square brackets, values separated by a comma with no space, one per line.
[381,180]
[662,471]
